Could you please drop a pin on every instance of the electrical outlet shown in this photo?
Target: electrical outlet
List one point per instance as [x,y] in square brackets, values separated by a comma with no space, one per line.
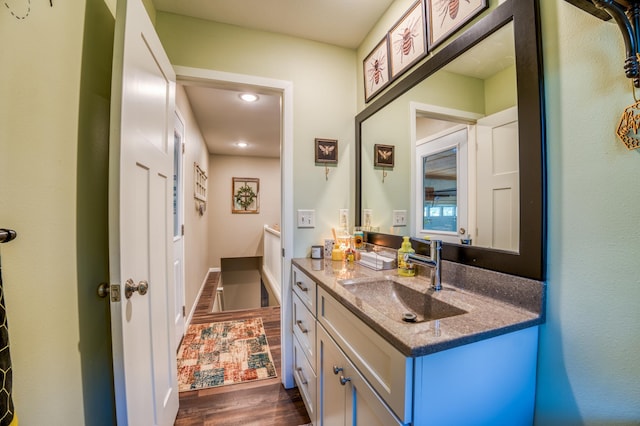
[399,218]
[344,219]
[368,217]
[306,218]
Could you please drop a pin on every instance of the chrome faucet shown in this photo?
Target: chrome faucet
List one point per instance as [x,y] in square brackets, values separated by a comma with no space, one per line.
[434,260]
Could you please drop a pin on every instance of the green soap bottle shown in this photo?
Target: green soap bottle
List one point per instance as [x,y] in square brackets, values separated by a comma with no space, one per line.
[405,266]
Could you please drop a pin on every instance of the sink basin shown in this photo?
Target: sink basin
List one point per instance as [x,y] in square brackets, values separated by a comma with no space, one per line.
[399,302]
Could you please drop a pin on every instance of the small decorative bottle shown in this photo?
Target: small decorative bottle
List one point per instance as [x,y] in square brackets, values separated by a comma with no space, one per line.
[405,266]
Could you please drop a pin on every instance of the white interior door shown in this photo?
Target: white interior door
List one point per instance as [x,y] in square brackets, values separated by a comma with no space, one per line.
[498,180]
[178,228]
[140,222]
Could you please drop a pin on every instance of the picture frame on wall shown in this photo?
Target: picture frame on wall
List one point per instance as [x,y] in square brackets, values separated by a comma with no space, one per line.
[245,195]
[407,40]
[444,17]
[326,151]
[383,155]
[376,70]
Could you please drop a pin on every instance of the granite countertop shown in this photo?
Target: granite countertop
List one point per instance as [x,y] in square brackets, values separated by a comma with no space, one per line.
[487,315]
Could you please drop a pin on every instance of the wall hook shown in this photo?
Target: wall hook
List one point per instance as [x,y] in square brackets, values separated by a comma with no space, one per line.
[628,20]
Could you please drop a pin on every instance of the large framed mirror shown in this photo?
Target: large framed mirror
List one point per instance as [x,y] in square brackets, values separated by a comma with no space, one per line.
[467,130]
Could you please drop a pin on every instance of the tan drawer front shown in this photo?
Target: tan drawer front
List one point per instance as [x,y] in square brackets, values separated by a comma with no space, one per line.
[304,328]
[306,379]
[305,288]
[388,371]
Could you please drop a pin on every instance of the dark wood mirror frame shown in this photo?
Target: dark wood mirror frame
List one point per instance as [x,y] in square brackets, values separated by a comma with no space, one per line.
[529,262]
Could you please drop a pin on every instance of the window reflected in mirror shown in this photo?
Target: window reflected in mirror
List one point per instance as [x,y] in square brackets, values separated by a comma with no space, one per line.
[440,188]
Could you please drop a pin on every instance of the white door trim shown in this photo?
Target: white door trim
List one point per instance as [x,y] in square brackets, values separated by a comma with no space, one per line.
[286,176]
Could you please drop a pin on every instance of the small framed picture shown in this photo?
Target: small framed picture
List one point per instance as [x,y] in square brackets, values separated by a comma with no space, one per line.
[407,40]
[245,195]
[444,17]
[326,150]
[383,155]
[376,70]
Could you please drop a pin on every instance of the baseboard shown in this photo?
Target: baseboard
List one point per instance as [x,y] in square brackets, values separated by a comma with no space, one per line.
[192,311]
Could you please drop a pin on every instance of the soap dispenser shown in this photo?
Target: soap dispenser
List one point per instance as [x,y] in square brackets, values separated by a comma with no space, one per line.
[405,266]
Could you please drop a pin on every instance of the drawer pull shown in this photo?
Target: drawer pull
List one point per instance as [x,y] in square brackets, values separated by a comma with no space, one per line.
[337,369]
[344,380]
[302,379]
[299,324]
[301,287]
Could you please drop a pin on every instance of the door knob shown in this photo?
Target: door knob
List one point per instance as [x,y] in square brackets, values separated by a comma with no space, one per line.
[130,287]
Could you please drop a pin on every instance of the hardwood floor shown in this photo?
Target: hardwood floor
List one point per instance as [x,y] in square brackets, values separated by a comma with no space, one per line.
[263,402]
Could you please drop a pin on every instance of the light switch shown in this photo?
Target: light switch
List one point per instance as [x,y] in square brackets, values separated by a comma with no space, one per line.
[399,218]
[306,218]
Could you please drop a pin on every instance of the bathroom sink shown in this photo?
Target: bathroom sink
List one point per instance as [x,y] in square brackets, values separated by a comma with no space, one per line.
[399,302]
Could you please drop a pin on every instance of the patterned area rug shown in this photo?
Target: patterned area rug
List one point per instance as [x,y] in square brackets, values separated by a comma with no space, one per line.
[224,353]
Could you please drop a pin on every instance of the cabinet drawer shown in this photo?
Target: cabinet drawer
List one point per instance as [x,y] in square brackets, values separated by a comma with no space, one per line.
[306,379]
[388,371]
[304,328]
[305,288]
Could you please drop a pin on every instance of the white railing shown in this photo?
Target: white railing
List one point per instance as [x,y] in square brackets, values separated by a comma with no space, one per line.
[272,261]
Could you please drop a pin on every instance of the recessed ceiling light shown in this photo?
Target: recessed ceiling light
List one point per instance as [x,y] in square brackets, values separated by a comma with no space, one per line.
[242,144]
[249,97]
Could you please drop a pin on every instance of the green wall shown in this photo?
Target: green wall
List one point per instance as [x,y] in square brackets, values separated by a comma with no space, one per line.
[324,102]
[589,368]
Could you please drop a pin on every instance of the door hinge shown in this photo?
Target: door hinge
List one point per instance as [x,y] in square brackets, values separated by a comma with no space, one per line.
[282,252]
[184,311]
[182,230]
[183,147]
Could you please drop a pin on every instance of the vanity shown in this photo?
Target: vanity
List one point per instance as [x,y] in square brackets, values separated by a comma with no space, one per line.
[470,358]
[468,354]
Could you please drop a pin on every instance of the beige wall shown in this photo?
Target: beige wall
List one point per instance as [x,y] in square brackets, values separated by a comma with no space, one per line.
[240,235]
[324,99]
[196,244]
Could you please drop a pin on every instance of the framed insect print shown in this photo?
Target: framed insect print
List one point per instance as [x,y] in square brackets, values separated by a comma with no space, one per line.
[444,17]
[383,155]
[245,195]
[376,70]
[326,151]
[407,40]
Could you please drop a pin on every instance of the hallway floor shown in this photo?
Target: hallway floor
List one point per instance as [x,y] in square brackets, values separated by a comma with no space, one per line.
[264,402]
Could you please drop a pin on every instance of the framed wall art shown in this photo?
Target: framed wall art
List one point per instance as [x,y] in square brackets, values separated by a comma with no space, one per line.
[444,17]
[383,155]
[245,195]
[407,40]
[376,70]
[326,151]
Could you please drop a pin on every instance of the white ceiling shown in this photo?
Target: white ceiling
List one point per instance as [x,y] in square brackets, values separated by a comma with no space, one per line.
[340,22]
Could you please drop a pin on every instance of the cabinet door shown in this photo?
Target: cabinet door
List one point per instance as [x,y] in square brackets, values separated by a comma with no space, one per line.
[331,393]
[345,396]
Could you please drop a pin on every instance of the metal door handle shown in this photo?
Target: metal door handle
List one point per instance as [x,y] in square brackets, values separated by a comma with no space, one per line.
[337,369]
[302,379]
[344,380]
[299,324]
[130,287]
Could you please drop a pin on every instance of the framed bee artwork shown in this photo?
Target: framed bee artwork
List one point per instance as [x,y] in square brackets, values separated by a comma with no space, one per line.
[383,155]
[326,151]
[407,40]
[444,17]
[376,70]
